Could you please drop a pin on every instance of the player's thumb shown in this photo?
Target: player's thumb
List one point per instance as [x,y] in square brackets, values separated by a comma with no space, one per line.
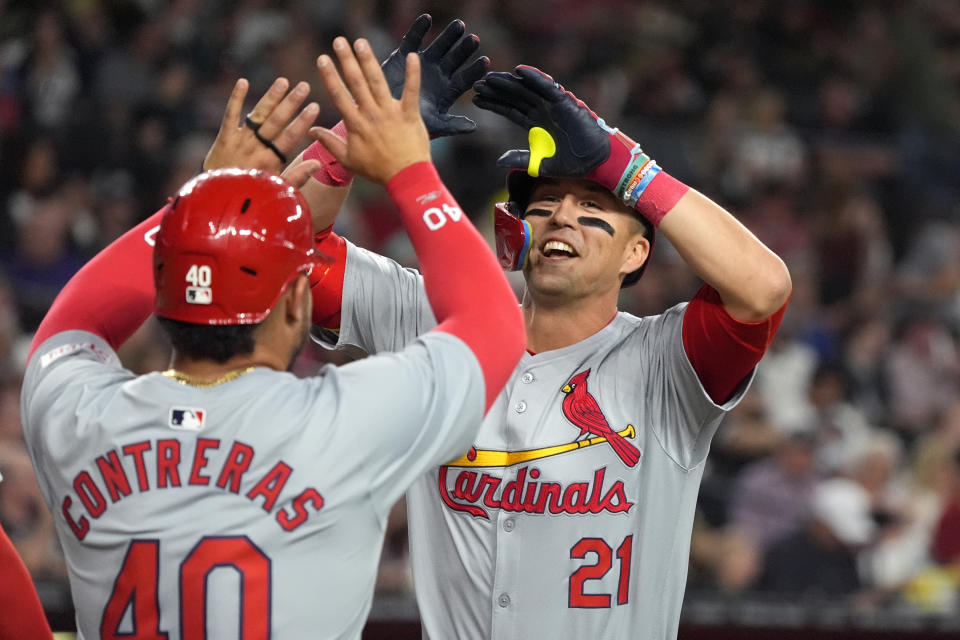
[298,174]
[514,159]
[330,141]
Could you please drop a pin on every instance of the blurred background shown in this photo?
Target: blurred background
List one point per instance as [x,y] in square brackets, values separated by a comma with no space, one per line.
[831,128]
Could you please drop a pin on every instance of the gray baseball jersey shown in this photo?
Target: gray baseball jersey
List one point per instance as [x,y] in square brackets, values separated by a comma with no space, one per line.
[571,515]
[252,509]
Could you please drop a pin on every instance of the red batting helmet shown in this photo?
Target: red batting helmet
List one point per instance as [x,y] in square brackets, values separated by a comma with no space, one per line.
[229,245]
[513,235]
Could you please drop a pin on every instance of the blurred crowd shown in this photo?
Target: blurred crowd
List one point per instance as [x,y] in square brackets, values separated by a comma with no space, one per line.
[831,128]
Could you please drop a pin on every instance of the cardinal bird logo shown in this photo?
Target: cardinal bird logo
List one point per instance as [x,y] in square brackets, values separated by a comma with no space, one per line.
[582,410]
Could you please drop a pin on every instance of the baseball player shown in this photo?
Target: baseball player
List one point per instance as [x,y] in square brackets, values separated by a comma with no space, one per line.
[21,614]
[226,497]
[571,515]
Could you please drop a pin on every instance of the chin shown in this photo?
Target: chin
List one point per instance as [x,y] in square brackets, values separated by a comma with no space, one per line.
[553,286]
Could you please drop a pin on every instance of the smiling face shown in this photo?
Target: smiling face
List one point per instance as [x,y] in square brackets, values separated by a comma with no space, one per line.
[585,240]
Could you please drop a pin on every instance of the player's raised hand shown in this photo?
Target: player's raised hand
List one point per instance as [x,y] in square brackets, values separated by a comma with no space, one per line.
[440,82]
[531,99]
[268,134]
[567,139]
[384,135]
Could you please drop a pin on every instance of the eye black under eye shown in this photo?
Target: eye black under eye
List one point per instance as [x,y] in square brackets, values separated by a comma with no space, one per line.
[588,221]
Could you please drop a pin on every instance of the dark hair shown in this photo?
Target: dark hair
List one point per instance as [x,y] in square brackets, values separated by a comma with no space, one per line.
[209,342]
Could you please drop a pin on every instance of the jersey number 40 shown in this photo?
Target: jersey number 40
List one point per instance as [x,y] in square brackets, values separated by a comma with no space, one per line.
[136,589]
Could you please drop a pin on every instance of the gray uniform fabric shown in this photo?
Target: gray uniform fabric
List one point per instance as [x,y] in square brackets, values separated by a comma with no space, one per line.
[259,502]
[544,530]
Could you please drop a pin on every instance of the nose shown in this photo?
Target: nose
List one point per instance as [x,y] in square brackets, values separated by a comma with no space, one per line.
[566,212]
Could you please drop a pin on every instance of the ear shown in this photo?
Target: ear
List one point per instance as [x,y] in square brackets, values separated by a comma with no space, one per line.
[299,306]
[635,254]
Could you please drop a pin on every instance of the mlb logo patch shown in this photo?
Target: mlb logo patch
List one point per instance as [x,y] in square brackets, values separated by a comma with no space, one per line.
[199,295]
[187,419]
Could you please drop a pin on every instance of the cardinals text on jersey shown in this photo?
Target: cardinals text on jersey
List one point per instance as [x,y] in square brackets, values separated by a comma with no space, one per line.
[475,493]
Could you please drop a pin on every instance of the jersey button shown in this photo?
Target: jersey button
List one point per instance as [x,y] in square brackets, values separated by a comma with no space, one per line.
[508,525]
[503,600]
[520,407]
[527,378]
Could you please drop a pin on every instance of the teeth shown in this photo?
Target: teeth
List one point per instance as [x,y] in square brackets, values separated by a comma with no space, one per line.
[556,245]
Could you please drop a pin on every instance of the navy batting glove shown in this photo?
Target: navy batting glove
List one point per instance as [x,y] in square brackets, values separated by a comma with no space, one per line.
[440,83]
[567,139]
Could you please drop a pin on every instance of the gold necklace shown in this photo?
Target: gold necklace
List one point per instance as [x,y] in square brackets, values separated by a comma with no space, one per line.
[183,378]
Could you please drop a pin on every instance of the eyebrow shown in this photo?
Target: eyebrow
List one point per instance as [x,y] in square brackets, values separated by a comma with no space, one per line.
[589,221]
[589,186]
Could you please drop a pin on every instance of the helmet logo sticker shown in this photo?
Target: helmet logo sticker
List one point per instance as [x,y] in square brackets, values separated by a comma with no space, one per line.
[199,295]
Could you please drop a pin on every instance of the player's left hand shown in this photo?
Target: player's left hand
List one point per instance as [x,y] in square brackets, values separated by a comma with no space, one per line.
[268,134]
[440,83]
[567,139]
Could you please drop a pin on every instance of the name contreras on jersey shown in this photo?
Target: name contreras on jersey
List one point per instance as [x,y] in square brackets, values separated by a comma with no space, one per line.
[473,493]
[111,476]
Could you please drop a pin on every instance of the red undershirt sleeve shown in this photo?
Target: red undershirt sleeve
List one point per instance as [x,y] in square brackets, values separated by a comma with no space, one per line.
[326,282]
[21,614]
[723,350]
[466,287]
[112,295]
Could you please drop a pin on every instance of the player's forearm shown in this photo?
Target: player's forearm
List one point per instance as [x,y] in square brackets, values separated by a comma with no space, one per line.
[325,202]
[752,281]
[112,295]
[328,188]
[467,289]
[21,615]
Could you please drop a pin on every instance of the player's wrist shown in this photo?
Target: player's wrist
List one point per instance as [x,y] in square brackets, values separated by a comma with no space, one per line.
[331,172]
[642,184]
[660,196]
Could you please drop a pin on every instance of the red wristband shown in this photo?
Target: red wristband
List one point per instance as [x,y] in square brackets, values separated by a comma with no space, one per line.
[661,195]
[331,172]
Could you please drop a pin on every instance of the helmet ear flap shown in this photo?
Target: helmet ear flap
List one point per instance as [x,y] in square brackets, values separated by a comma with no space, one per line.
[513,236]
[512,232]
